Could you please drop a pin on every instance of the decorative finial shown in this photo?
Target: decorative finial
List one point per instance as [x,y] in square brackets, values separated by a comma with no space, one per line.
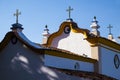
[46,26]
[95,17]
[17,14]
[45,34]
[109,27]
[69,11]
[94,25]
[46,29]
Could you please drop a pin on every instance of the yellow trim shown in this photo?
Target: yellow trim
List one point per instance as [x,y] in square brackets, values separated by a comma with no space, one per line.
[79,30]
[74,28]
[95,41]
[69,56]
[51,37]
[109,43]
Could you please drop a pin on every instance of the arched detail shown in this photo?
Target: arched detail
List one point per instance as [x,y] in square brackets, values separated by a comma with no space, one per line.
[73,27]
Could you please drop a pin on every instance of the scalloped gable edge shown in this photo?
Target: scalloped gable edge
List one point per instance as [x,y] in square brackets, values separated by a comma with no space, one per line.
[91,38]
[74,28]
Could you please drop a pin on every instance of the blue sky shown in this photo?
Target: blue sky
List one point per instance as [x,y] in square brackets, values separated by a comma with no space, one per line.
[35,14]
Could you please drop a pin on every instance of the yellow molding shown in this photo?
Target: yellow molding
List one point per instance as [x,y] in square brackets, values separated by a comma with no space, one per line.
[74,28]
[69,56]
[109,43]
[95,41]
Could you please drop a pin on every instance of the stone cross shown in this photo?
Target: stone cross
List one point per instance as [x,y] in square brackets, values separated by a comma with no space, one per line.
[69,11]
[109,27]
[17,14]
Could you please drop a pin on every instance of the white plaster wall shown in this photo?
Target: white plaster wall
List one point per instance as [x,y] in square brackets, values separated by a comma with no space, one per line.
[65,63]
[73,42]
[20,63]
[107,63]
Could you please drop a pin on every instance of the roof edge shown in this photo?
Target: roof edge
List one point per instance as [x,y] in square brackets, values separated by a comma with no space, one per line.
[67,54]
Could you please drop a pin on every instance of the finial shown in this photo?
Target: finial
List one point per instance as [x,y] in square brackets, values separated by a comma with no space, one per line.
[95,17]
[45,34]
[69,11]
[17,14]
[109,27]
[94,25]
[46,26]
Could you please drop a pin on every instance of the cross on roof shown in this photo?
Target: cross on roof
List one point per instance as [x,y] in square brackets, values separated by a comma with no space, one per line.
[17,14]
[109,27]
[69,11]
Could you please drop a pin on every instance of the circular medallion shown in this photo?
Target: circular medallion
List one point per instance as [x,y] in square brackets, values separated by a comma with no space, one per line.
[13,40]
[116,61]
[67,30]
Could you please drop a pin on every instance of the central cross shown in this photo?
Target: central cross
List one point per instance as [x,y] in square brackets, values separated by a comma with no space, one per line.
[17,14]
[69,11]
[109,27]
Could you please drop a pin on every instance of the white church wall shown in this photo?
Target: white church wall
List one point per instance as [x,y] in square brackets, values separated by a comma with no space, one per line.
[107,62]
[17,62]
[73,42]
[65,63]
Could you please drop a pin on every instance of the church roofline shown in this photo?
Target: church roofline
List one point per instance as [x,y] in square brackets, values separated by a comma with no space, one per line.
[96,41]
[44,50]
[91,38]
[11,34]
[67,54]
[85,74]
[58,53]
[54,52]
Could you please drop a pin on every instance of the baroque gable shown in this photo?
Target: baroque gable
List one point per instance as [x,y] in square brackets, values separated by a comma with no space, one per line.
[72,38]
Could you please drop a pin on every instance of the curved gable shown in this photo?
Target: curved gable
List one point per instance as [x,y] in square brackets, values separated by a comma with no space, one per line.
[74,28]
[72,38]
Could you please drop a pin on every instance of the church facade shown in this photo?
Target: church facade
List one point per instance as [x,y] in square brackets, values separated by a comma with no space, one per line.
[71,53]
[88,44]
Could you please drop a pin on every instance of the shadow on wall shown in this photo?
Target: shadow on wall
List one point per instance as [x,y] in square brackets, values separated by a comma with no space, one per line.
[29,67]
[55,43]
